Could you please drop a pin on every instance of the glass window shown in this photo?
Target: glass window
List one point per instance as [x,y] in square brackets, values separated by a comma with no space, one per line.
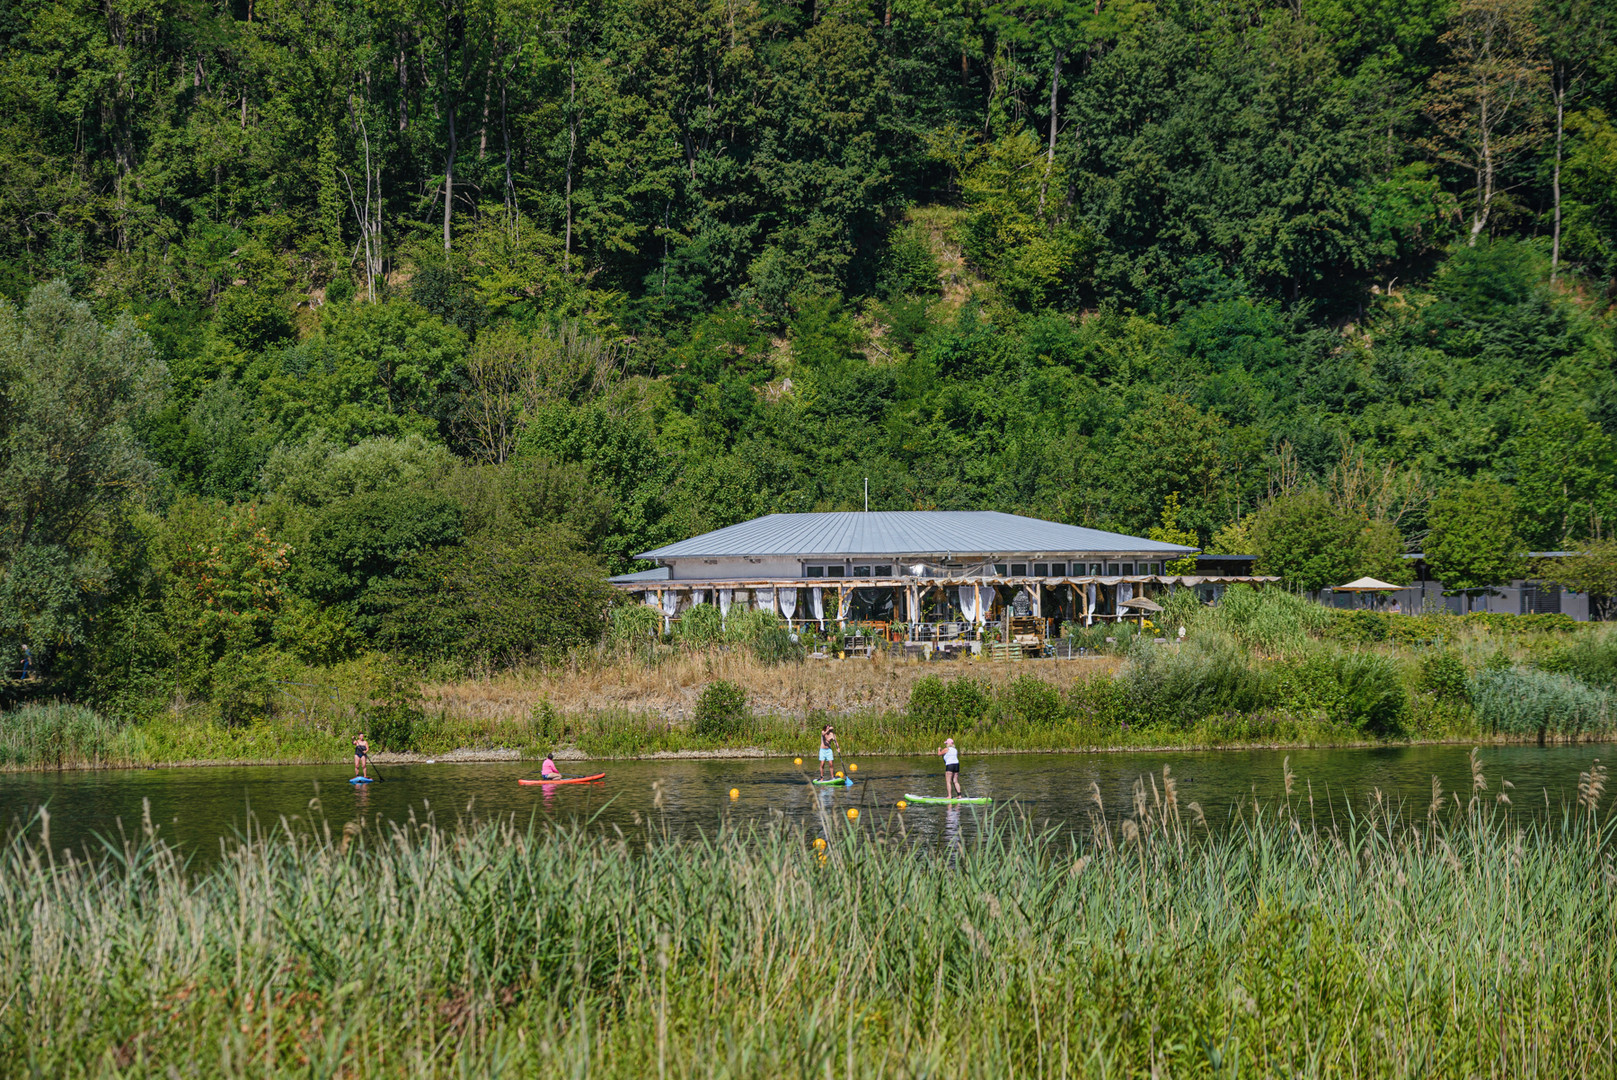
[1112,569]
[1096,569]
[814,571]
[1018,569]
[885,570]
[1156,568]
[1058,569]
[861,571]
[1128,568]
[1001,570]
[1041,569]
[833,571]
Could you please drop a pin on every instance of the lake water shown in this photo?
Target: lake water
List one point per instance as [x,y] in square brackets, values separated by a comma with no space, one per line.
[197,807]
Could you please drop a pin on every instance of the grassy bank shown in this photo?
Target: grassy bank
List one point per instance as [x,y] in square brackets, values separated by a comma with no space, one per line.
[1261,669]
[1301,939]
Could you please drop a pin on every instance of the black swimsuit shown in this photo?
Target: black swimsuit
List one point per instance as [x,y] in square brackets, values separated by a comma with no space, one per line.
[361,750]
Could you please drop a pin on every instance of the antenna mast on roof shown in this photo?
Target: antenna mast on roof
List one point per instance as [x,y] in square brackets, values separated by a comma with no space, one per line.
[867,494]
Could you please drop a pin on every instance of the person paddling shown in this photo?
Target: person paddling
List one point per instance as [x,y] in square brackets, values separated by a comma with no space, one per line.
[828,739]
[951,770]
[362,756]
[548,770]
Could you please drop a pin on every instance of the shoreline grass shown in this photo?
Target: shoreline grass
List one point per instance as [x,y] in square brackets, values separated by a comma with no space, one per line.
[1293,939]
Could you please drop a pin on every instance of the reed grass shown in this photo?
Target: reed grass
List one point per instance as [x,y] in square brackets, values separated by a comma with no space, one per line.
[1295,939]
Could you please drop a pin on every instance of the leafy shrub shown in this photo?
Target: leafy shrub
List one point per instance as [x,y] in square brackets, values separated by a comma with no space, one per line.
[721,711]
[1361,690]
[1180,686]
[945,707]
[394,716]
[1593,660]
[1522,701]
[1032,702]
[1357,627]
[1442,674]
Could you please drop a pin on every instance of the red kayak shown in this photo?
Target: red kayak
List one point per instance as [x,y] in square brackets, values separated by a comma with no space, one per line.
[566,780]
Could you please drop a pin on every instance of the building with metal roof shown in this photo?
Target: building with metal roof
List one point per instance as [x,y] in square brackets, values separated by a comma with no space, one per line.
[967,567]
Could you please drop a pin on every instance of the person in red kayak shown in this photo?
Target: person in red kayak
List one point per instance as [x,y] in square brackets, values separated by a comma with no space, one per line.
[548,770]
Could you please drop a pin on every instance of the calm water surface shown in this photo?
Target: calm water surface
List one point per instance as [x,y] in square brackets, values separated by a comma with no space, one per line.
[197,808]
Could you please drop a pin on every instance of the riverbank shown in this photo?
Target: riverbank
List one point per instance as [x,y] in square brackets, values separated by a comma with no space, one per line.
[1151,945]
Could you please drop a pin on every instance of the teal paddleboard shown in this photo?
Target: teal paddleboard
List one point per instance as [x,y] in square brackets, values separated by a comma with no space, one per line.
[832,783]
[362,780]
[928,800]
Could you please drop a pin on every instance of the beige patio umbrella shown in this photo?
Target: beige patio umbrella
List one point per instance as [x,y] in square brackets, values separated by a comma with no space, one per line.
[1144,603]
[1368,584]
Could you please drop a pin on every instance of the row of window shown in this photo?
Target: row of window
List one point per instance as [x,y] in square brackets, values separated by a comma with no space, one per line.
[1058,569]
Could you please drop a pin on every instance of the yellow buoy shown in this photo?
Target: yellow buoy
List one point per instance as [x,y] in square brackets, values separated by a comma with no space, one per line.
[819,843]
[822,860]
[839,774]
[797,761]
[853,768]
[853,813]
[901,804]
[735,793]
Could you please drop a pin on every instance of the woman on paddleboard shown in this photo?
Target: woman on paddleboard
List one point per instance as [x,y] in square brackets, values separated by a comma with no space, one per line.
[362,755]
[548,770]
[951,770]
[828,739]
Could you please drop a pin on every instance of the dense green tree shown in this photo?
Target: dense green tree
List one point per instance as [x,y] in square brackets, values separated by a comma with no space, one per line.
[1475,543]
[1314,543]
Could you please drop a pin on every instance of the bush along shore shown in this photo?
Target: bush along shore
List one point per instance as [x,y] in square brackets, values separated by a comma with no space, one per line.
[1446,940]
[1262,668]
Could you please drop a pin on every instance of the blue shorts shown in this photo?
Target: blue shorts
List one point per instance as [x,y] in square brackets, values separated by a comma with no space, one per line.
[825,753]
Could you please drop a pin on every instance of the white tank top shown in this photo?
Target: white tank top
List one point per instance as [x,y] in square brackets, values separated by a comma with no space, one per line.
[951,755]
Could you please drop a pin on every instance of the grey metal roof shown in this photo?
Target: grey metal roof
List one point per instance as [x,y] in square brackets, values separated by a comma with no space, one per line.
[656,573]
[903,533]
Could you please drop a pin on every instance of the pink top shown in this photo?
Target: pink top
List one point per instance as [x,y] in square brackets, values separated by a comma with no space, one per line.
[549,769]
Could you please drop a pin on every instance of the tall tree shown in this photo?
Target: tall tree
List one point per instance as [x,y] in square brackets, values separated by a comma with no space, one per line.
[1575,36]
[1486,104]
[1475,540]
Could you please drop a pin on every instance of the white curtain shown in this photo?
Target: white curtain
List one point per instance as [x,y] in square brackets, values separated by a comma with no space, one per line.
[698,596]
[788,602]
[844,604]
[1125,591]
[725,597]
[968,602]
[1089,597]
[670,602]
[651,599]
[764,599]
[817,604]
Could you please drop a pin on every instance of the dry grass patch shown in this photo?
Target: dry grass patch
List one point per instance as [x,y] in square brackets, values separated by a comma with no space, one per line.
[669,686]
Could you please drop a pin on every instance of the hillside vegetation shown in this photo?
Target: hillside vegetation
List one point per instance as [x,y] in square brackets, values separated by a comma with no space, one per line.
[347,345]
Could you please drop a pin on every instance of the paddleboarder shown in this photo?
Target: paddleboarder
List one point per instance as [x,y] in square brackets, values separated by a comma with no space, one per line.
[828,739]
[951,770]
[548,770]
[362,756]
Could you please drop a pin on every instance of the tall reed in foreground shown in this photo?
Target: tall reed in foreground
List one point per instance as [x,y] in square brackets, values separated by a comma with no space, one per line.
[1294,939]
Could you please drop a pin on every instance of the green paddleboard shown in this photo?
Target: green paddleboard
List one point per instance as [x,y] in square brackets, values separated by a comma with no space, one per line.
[832,783]
[927,800]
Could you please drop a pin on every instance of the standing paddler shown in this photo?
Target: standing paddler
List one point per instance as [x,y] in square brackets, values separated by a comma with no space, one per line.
[828,739]
[951,770]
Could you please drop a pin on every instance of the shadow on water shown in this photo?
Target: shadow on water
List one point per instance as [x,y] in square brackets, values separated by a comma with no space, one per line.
[198,808]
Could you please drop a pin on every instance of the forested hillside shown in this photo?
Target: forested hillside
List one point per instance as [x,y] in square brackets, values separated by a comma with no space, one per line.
[339,329]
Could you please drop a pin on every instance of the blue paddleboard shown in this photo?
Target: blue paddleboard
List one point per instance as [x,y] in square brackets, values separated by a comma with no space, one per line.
[362,780]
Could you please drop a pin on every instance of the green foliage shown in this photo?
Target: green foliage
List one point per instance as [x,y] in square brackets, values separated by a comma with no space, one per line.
[1442,674]
[493,601]
[1358,627]
[1269,620]
[1593,659]
[1179,686]
[946,707]
[361,543]
[1522,702]
[1360,690]
[632,623]
[54,735]
[1313,543]
[721,711]
[1474,544]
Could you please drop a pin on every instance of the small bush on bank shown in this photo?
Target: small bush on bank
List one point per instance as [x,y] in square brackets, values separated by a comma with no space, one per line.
[1443,675]
[1525,702]
[1357,627]
[1033,703]
[721,712]
[1182,685]
[1271,621]
[949,707]
[1593,659]
[1360,690]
